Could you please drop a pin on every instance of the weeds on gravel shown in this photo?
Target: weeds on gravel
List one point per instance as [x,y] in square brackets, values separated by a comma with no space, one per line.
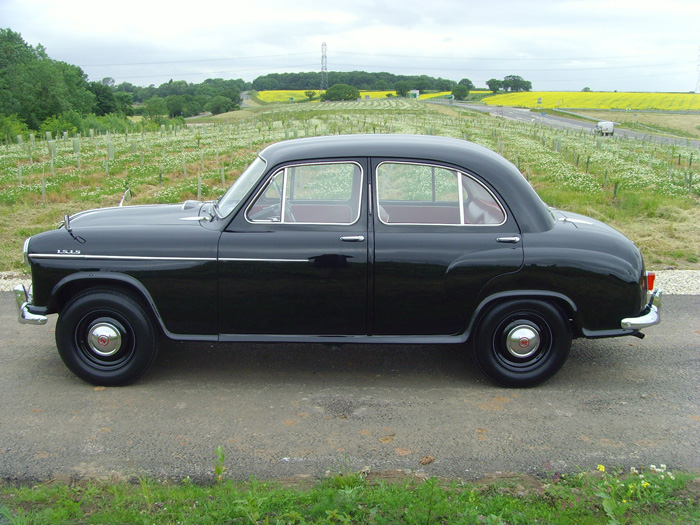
[649,495]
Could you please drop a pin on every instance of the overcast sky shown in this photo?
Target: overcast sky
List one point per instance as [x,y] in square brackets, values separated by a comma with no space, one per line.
[607,45]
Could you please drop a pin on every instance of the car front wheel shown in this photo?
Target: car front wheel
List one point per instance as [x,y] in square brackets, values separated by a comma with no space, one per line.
[522,343]
[106,338]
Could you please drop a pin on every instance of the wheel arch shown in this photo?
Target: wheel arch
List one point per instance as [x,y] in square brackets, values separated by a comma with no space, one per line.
[76,283]
[565,304]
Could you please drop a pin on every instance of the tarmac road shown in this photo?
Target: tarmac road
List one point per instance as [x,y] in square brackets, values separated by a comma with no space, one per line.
[285,411]
[525,115]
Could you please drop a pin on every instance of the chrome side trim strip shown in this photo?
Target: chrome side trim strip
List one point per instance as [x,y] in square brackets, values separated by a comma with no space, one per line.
[143,258]
[116,257]
[251,259]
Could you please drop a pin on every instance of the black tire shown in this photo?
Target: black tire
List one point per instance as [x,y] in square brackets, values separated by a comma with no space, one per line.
[106,338]
[522,343]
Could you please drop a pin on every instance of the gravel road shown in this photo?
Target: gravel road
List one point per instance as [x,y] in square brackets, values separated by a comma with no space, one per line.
[298,411]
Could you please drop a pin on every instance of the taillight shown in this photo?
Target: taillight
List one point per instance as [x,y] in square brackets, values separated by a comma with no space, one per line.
[651,277]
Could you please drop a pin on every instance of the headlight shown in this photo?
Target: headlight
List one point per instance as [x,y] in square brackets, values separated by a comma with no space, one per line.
[25,250]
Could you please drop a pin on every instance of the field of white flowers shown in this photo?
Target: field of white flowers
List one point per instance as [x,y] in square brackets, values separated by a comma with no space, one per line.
[67,174]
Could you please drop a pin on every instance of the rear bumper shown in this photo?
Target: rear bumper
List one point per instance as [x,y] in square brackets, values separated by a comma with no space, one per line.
[23,300]
[650,316]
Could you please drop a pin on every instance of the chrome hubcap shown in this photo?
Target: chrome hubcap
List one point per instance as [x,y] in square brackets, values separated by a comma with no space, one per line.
[105,339]
[523,341]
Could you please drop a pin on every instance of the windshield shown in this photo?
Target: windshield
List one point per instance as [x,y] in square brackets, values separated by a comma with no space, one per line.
[241,187]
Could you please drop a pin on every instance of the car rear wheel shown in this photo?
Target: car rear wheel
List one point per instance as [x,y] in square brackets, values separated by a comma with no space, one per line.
[106,338]
[522,343]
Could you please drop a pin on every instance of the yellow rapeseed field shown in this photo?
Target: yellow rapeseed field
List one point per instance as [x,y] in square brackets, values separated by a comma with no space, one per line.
[597,100]
[286,95]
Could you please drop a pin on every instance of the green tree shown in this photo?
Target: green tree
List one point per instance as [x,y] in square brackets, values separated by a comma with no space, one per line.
[310,94]
[156,108]
[125,102]
[265,83]
[381,85]
[516,83]
[494,84]
[219,104]
[34,87]
[468,83]
[105,101]
[402,87]
[69,121]
[341,92]
[460,92]
[11,126]
[442,84]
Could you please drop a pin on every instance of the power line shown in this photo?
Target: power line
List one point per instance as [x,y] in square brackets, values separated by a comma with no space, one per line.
[379,55]
[171,75]
[194,61]
[508,59]
[466,68]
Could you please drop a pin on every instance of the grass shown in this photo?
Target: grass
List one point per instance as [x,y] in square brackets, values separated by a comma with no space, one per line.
[640,496]
[649,191]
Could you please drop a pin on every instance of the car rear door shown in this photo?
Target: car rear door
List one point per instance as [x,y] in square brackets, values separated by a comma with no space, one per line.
[440,234]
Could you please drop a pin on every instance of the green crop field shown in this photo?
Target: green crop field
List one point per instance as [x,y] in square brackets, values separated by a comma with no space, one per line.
[647,190]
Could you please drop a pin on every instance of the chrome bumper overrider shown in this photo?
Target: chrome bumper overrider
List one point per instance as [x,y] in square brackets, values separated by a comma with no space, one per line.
[650,318]
[23,302]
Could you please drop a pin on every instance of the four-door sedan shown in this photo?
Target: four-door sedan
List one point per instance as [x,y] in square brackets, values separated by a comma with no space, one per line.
[342,239]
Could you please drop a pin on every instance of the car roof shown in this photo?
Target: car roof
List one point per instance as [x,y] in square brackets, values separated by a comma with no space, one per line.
[427,147]
[531,213]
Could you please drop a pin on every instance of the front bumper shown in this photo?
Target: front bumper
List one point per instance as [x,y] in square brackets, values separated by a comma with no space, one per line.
[651,315]
[23,299]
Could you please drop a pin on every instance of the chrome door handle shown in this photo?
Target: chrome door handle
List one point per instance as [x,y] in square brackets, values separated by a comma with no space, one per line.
[509,240]
[353,238]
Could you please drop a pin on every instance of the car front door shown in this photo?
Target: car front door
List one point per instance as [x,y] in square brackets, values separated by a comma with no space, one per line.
[294,260]
[440,235]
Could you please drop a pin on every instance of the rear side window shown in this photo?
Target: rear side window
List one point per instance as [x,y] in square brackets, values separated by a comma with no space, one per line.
[412,193]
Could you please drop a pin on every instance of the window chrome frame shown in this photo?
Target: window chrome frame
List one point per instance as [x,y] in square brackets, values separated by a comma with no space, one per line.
[285,169]
[460,193]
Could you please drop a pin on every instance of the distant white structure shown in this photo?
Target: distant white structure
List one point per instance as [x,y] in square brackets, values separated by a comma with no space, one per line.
[414,93]
[324,67]
[604,128]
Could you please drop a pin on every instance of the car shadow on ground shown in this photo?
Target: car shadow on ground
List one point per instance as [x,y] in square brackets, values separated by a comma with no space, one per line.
[282,363]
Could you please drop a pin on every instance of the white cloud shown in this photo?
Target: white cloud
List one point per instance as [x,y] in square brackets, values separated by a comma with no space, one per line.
[604,44]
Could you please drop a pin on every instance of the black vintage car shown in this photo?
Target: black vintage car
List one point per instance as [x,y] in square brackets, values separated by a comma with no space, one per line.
[343,239]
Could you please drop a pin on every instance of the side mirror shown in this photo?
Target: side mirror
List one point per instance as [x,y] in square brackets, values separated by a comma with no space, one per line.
[126,197]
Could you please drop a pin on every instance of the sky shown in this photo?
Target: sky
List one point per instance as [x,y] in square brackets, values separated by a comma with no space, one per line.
[606,45]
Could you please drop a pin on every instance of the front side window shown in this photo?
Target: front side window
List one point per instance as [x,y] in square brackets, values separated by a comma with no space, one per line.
[409,193]
[321,193]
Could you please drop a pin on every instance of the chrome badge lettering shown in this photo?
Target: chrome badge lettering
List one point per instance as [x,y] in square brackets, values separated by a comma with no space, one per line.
[69,252]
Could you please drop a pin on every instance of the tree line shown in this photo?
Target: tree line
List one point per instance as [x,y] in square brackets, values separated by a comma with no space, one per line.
[42,94]
[382,81]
